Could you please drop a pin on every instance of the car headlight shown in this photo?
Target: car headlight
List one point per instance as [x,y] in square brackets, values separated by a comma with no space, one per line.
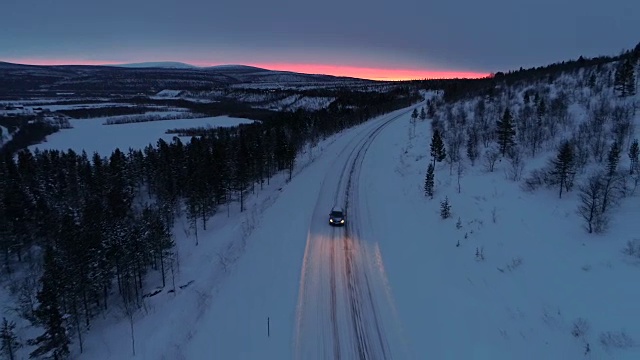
[330,220]
[342,221]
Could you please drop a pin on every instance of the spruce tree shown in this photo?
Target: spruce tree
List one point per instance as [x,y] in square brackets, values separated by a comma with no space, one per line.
[634,154]
[438,152]
[625,79]
[612,159]
[445,208]
[541,110]
[563,167]
[592,81]
[431,110]
[506,132]
[630,83]
[618,80]
[8,340]
[423,114]
[429,181]
[54,342]
[414,115]
[472,147]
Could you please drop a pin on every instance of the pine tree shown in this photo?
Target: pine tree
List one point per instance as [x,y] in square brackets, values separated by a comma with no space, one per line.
[612,159]
[563,167]
[438,152]
[630,84]
[592,81]
[634,153]
[625,79]
[541,110]
[429,181]
[54,342]
[431,110]
[506,132]
[618,80]
[445,208]
[414,115]
[423,114]
[472,147]
[8,340]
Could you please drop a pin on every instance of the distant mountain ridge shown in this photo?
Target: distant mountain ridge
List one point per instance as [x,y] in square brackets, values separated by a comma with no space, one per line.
[145,78]
[181,65]
[161,64]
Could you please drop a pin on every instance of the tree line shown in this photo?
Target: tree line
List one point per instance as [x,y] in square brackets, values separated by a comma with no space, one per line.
[494,84]
[526,119]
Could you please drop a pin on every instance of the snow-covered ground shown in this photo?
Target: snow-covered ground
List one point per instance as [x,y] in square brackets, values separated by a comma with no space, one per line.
[540,274]
[92,136]
[541,277]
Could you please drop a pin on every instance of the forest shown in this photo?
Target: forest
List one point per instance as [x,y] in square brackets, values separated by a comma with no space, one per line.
[80,232]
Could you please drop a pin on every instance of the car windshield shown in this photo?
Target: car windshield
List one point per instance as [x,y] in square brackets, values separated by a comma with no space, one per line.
[336,213]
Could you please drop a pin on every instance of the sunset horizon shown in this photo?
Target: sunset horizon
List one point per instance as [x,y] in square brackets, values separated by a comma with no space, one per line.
[379,73]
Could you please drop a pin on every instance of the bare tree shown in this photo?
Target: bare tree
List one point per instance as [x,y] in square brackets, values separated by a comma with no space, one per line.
[491,155]
[516,164]
[129,309]
[612,192]
[590,207]
[460,173]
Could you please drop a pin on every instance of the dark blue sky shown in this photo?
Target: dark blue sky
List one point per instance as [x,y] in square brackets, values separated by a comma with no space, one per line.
[464,35]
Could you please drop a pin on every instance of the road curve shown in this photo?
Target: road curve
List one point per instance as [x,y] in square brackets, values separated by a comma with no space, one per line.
[341,313]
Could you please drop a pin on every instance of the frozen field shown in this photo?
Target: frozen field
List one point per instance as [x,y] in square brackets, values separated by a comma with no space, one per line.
[91,135]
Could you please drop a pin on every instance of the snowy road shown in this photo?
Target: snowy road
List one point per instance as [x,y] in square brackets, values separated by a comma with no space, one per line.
[344,309]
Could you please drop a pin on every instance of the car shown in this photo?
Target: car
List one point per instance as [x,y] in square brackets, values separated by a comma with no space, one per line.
[337,216]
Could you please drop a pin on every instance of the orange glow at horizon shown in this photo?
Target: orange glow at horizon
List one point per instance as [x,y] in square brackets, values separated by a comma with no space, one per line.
[371,73]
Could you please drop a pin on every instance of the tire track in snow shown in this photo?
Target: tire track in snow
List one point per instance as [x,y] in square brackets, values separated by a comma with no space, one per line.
[356,278]
[349,303]
[334,306]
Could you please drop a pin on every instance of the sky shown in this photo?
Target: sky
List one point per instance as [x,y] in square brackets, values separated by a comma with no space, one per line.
[383,39]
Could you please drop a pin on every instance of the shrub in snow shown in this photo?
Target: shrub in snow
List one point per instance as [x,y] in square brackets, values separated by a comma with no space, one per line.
[515,262]
[536,179]
[580,328]
[563,167]
[633,248]
[616,339]
[490,157]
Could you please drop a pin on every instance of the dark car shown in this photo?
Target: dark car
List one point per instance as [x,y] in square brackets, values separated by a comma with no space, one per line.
[337,217]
